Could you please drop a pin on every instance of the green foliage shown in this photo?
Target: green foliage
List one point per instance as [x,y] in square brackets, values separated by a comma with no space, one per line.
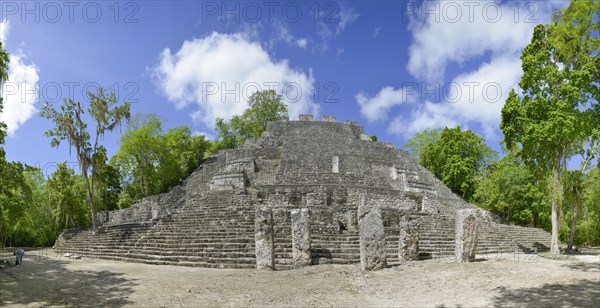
[558,113]
[67,195]
[107,181]
[588,228]
[421,140]
[373,137]
[15,195]
[263,107]
[509,189]
[456,158]
[4,60]
[40,230]
[151,161]
[70,125]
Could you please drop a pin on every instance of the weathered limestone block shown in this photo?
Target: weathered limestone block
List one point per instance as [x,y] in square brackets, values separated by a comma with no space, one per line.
[156,213]
[372,237]
[306,117]
[301,244]
[101,218]
[409,240]
[328,119]
[229,181]
[335,162]
[263,235]
[466,235]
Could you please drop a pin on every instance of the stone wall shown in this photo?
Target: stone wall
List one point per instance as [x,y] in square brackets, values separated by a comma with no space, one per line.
[152,208]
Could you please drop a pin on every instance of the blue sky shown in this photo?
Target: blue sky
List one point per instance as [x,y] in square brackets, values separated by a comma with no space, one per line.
[396,67]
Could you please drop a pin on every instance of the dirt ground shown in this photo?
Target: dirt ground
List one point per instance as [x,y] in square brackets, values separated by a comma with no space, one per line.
[48,279]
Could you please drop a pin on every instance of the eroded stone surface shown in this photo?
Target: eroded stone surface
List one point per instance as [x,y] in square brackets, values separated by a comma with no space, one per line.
[466,235]
[264,238]
[301,243]
[408,246]
[372,238]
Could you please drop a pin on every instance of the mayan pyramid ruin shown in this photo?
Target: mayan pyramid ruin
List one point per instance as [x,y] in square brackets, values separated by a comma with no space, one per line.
[306,192]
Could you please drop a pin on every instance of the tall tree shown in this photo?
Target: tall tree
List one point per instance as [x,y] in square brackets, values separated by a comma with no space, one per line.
[151,161]
[456,158]
[70,125]
[556,114]
[66,192]
[263,107]
[14,191]
[512,191]
[421,140]
[139,156]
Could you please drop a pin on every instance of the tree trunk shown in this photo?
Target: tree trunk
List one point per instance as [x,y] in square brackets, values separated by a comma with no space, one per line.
[90,198]
[554,238]
[573,226]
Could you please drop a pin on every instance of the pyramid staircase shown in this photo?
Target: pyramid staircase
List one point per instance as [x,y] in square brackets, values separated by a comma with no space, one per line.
[210,232]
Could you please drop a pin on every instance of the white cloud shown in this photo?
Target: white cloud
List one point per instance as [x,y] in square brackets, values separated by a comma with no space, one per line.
[206,135]
[376,108]
[347,16]
[332,25]
[218,73]
[427,115]
[301,42]
[450,31]
[472,97]
[376,32]
[4,27]
[19,92]
[281,33]
[441,37]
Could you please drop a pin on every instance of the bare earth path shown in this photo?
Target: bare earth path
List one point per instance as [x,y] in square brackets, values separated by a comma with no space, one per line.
[508,280]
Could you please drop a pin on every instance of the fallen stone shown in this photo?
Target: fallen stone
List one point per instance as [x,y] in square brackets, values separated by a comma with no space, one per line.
[67,255]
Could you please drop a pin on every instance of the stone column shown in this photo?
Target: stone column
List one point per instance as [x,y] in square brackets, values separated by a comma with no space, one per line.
[263,234]
[408,245]
[301,244]
[466,235]
[372,237]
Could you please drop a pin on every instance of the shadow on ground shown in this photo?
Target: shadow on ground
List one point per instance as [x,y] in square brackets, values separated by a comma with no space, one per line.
[45,281]
[584,266]
[584,293]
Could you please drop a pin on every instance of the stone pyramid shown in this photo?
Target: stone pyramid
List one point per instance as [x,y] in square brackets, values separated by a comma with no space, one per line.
[306,192]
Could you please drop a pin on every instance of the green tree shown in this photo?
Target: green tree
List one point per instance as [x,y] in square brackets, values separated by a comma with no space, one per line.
[107,181]
[67,196]
[41,230]
[589,228]
[70,125]
[557,113]
[456,158]
[184,154]
[151,161]
[421,140]
[510,190]
[14,192]
[573,181]
[263,107]
[140,155]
